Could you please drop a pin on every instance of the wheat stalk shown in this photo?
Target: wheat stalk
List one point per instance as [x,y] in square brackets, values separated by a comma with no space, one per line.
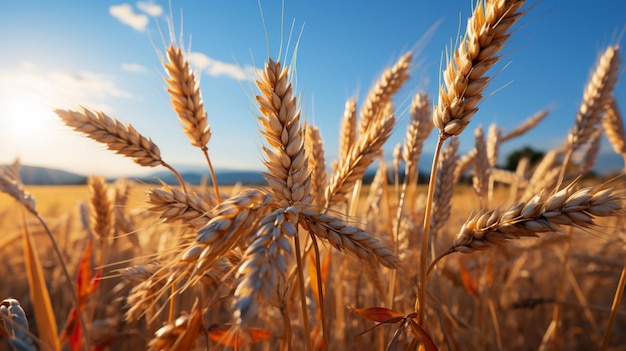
[464,75]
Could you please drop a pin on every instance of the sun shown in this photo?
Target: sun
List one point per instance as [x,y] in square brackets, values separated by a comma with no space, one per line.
[24,118]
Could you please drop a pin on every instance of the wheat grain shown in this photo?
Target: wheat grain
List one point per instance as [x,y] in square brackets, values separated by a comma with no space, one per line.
[464,75]
[184,91]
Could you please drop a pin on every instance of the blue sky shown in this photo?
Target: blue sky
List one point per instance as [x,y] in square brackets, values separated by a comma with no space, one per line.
[104,54]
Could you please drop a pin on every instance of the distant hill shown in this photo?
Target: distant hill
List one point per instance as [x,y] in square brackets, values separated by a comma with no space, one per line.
[33,175]
[607,163]
[223,177]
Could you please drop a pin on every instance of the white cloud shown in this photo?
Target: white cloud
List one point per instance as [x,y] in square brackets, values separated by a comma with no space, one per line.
[61,88]
[125,14]
[150,8]
[214,67]
[134,67]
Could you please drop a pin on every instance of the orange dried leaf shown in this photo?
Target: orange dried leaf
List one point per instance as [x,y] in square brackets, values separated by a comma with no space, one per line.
[226,336]
[85,286]
[187,340]
[44,313]
[313,274]
[379,314]
[469,283]
[421,335]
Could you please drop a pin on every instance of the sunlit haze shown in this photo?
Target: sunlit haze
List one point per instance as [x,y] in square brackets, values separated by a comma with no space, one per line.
[105,55]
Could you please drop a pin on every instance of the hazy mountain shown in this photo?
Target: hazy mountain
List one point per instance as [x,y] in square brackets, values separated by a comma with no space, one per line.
[606,164]
[33,175]
[224,177]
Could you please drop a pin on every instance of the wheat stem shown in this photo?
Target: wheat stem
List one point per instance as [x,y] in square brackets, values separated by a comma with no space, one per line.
[305,314]
[320,292]
[420,305]
[614,309]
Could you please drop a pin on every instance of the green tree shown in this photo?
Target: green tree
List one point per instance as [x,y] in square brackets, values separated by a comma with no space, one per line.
[526,152]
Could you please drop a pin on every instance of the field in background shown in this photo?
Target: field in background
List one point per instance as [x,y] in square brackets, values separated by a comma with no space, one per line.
[517,280]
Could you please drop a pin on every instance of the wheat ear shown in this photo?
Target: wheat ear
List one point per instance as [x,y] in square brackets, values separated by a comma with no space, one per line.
[184,90]
[464,75]
[285,159]
[317,164]
[595,98]
[352,168]
[614,128]
[542,213]
[525,126]
[175,205]
[379,97]
[101,207]
[122,139]
[14,322]
[347,133]
[343,237]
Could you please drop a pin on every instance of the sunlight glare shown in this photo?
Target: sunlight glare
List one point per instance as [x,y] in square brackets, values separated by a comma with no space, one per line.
[25,119]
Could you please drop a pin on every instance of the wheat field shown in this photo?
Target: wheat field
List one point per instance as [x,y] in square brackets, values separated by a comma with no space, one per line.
[479,258]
